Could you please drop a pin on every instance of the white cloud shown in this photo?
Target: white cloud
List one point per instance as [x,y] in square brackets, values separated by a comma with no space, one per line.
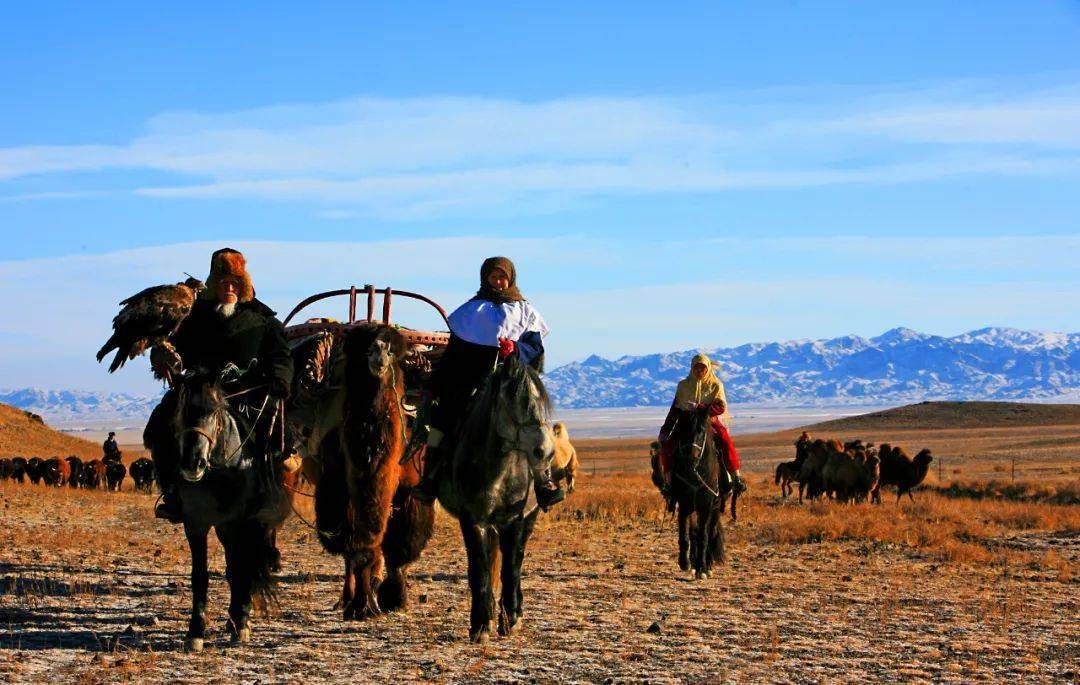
[431,156]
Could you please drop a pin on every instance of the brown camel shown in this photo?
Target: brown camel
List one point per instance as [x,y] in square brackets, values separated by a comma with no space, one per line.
[363,481]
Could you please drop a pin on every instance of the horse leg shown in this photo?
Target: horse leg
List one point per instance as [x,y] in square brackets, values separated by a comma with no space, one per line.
[272,550]
[481,557]
[700,540]
[716,541]
[512,541]
[684,538]
[200,580]
[238,569]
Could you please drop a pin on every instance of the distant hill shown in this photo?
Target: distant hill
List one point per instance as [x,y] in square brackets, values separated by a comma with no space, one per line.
[900,366]
[25,434]
[933,415]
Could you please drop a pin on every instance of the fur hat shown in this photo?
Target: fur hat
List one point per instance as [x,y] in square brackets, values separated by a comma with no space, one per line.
[229,263]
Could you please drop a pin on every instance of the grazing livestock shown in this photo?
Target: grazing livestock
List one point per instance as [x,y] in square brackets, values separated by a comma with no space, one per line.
[114,476]
[33,469]
[142,472]
[817,452]
[18,469]
[565,464]
[93,474]
[900,470]
[55,472]
[75,471]
[848,476]
[788,471]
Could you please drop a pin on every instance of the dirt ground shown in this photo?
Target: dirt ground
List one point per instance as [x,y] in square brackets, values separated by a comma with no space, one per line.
[92,589]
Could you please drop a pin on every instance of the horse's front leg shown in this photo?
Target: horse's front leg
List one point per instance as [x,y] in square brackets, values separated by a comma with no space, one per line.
[481,557]
[512,541]
[684,537]
[239,568]
[200,580]
[700,546]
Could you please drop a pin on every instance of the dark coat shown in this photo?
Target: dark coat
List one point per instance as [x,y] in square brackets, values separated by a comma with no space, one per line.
[209,341]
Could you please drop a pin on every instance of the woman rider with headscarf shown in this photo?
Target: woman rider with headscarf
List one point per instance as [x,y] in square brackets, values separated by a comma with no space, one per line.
[701,390]
[496,323]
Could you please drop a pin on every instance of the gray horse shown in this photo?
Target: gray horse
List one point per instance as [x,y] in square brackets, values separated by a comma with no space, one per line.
[489,486]
[224,487]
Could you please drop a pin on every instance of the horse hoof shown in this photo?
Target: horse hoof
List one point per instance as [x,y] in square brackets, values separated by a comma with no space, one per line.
[481,637]
[508,627]
[193,644]
[705,575]
[243,636]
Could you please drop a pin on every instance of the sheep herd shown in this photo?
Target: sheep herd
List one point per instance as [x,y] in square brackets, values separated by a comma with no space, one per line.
[850,472]
[94,474]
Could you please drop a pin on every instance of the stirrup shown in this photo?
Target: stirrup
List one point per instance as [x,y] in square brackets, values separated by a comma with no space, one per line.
[547,497]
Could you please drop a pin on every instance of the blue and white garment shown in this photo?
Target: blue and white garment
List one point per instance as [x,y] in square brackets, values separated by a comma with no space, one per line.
[483,322]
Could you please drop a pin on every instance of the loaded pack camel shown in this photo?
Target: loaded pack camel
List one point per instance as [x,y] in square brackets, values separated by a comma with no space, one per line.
[363,508]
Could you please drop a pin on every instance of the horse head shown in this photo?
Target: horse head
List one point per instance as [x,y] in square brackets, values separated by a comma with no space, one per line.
[205,428]
[520,410]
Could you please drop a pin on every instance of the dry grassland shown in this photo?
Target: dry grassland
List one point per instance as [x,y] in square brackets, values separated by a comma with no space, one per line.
[974,582]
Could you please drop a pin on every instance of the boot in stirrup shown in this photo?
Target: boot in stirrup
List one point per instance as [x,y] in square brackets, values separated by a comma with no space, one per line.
[548,494]
[428,488]
[169,506]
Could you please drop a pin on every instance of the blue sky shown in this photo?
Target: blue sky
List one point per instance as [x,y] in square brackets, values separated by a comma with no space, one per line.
[667,176]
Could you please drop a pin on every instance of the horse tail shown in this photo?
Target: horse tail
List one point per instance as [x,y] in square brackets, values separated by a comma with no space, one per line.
[255,547]
[779,468]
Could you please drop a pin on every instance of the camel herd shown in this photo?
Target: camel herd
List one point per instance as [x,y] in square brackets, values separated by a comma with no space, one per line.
[850,472]
[93,474]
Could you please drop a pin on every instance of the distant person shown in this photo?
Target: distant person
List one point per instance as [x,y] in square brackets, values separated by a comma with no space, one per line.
[701,391]
[496,323]
[228,329]
[110,449]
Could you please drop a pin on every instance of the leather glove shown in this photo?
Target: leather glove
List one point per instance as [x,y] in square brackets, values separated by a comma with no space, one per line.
[506,347]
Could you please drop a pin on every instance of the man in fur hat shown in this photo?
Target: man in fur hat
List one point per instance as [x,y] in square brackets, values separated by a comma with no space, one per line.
[226,326]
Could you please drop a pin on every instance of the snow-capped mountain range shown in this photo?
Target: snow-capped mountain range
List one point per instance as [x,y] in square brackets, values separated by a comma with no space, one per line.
[76,406]
[898,367]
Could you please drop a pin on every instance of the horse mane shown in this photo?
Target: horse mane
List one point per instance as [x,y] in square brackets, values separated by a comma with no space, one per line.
[512,374]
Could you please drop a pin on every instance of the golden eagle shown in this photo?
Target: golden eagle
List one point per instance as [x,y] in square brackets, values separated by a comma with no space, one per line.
[148,318]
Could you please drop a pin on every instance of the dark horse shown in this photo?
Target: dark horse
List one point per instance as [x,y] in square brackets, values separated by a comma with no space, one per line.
[223,486]
[698,486]
[363,508]
[489,488]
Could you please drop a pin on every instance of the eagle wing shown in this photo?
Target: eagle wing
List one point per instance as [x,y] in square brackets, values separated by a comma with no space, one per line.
[146,319]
